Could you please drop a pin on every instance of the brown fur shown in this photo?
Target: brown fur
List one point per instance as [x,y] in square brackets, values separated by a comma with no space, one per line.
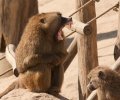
[39,55]
[106,81]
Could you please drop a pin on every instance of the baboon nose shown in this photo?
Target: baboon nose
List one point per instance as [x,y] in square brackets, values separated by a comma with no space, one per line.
[66,20]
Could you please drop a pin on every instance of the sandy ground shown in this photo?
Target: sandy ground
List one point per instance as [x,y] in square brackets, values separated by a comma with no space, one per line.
[106,35]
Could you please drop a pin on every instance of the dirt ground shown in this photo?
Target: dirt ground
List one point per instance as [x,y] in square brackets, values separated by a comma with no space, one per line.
[106,34]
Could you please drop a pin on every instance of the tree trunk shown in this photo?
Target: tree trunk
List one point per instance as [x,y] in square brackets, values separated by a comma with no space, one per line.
[14,15]
[87,46]
[117,45]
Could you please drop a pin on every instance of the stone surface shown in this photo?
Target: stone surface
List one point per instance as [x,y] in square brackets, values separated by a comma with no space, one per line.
[24,94]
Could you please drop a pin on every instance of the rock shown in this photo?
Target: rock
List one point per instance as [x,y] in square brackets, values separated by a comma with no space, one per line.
[24,94]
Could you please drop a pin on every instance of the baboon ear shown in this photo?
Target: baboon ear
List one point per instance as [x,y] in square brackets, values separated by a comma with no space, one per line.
[102,75]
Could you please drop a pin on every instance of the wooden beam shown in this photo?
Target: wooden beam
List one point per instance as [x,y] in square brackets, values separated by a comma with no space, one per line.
[93,95]
[78,27]
[87,46]
[72,50]
[10,56]
[66,31]
[116,65]
[81,28]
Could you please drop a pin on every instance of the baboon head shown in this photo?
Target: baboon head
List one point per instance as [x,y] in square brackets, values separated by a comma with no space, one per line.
[99,77]
[49,24]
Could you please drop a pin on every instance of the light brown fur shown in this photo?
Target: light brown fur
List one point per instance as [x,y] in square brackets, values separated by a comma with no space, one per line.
[39,55]
[106,81]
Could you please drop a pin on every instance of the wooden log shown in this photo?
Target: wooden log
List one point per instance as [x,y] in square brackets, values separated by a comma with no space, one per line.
[66,31]
[93,95]
[116,65]
[117,44]
[78,27]
[81,28]
[87,46]
[10,56]
[14,15]
[72,50]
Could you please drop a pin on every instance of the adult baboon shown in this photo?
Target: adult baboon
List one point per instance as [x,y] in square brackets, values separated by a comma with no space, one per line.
[40,54]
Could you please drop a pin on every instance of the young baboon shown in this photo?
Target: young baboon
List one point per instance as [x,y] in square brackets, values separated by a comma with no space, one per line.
[40,54]
[106,81]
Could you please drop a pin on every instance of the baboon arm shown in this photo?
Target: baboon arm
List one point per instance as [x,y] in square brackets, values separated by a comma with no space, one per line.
[32,60]
[46,58]
[58,58]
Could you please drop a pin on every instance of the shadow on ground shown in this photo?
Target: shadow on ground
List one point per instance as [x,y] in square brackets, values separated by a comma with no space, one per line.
[68,42]
[62,97]
[107,35]
[100,37]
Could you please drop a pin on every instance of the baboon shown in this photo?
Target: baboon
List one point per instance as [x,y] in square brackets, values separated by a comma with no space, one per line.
[106,81]
[40,54]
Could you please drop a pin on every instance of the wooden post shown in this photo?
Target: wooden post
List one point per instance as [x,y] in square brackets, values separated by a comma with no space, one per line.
[80,28]
[14,15]
[87,46]
[117,45]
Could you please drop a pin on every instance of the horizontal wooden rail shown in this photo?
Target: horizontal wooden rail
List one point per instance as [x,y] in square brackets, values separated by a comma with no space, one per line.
[81,28]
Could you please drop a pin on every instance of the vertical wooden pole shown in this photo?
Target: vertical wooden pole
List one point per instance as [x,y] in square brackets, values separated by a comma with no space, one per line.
[14,15]
[117,45]
[87,46]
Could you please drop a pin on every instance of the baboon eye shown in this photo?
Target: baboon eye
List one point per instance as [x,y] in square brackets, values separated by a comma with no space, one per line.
[43,20]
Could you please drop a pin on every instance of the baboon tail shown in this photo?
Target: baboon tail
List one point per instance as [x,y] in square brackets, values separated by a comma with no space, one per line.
[10,88]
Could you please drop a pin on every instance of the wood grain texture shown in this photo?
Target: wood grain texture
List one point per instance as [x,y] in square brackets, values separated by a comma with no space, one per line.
[14,15]
[87,46]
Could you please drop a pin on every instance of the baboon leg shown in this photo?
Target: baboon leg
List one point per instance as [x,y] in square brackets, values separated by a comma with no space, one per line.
[10,88]
[37,79]
[56,79]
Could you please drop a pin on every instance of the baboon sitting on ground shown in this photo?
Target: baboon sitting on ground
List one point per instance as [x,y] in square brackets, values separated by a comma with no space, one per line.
[40,54]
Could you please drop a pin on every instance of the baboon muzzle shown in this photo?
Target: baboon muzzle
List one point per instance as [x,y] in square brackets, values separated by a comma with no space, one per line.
[66,20]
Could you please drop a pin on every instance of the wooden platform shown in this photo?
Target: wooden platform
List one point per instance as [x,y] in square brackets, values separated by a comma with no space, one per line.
[4,66]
